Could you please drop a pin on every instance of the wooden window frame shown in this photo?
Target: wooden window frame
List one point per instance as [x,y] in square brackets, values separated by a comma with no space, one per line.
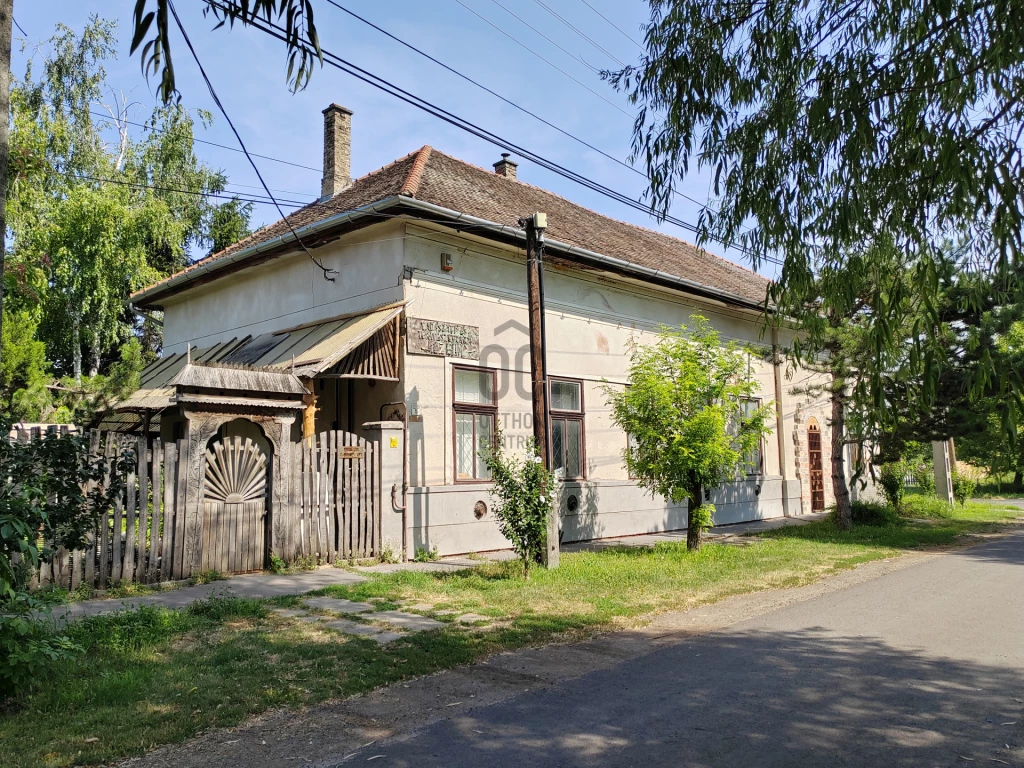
[473,408]
[579,416]
[759,472]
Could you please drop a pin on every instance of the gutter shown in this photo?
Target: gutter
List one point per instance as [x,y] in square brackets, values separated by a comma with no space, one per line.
[456,218]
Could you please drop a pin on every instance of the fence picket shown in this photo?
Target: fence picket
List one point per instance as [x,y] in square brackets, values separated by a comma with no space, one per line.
[128,566]
[170,472]
[142,538]
[322,497]
[180,498]
[154,518]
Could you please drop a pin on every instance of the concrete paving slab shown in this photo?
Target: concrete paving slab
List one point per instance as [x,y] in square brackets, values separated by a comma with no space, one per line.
[347,627]
[289,613]
[254,585]
[420,607]
[338,605]
[410,621]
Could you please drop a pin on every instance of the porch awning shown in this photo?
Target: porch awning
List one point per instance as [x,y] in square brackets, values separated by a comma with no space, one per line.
[311,350]
[363,345]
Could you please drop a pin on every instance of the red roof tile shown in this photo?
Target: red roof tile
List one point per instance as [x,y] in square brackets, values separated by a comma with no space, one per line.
[442,180]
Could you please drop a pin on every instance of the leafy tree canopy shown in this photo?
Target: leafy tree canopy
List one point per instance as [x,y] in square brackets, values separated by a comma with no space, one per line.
[687,408]
[94,213]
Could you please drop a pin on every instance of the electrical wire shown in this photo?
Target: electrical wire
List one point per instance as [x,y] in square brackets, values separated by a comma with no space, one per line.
[382,84]
[18,26]
[210,143]
[218,196]
[327,272]
[525,23]
[508,101]
[546,61]
[579,32]
[616,26]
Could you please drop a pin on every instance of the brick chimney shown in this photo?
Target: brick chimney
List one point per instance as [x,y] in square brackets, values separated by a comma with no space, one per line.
[337,150]
[506,167]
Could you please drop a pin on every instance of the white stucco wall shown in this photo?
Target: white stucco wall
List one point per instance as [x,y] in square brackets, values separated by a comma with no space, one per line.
[591,318]
[590,321]
[290,291]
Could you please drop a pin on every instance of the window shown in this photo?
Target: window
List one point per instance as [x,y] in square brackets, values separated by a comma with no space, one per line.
[566,404]
[753,461]
[475,411]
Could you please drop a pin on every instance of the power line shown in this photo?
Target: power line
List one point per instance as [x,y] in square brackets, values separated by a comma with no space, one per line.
[539,56]
[158,188]
[524,22]
[508,101]
[19,26]
[203,141]
[575,29]
[616,26]
[327,273]
[382,84]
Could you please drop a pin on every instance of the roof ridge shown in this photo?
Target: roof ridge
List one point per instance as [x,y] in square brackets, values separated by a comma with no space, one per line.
[645,230]
[412,181]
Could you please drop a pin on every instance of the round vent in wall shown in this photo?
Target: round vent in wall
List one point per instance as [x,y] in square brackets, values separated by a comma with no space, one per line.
[479,509]
[572,503]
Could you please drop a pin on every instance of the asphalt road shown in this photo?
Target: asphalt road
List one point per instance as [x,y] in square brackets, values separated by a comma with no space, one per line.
[923,666]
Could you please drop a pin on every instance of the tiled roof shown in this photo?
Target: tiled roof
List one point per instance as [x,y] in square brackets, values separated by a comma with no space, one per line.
[437,178]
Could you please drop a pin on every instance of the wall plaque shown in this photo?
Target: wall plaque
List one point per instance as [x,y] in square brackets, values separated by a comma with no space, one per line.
[441,339]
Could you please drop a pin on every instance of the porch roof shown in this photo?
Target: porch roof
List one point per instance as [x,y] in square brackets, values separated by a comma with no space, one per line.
[274,362]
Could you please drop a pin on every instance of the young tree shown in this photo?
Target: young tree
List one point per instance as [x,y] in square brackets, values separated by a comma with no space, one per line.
[686,408]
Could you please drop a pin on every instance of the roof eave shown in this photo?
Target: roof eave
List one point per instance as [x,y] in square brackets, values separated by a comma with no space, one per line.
[148,297]
[177,283]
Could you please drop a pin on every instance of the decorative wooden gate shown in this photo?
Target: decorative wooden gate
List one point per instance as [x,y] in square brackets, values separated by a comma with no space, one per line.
[234,507]
[336,497]
[817,474]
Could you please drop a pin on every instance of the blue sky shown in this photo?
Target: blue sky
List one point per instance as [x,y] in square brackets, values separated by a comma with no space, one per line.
[248,70]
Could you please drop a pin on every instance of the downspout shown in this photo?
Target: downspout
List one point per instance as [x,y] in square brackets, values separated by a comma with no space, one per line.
[780,421]
[404,506]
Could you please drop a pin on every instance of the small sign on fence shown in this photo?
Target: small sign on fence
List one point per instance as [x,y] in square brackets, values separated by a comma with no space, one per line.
[352,451]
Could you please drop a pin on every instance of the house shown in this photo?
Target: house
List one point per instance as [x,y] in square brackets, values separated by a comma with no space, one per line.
[418,343]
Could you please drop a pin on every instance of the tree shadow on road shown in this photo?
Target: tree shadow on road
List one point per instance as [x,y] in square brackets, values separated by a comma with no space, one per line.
[806,698]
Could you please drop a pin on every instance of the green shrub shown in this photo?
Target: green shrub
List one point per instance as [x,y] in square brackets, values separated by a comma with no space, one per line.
[891,481]
[424,555]
[28,644]
[523,499]
[965,482]
[924,476]
[873,513]
[927,506]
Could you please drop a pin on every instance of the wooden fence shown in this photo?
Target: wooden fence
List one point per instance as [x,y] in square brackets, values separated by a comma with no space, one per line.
[136,540]
[333,511]
[335,497]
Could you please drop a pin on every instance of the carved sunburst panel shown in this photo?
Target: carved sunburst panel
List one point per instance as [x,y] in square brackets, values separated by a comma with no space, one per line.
[236,471]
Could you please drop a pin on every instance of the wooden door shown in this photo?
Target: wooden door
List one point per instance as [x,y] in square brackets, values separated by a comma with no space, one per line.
[234,507]
[817,474]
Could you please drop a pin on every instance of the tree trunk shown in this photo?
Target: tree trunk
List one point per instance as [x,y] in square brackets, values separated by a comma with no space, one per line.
[844,515]
[76,347]
[94,369]
[6,17]
[694,533]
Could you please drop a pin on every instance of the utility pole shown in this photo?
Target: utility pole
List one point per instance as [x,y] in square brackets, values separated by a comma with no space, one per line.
[535,226]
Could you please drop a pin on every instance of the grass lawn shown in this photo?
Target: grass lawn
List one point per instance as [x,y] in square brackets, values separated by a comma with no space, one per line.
[155,676]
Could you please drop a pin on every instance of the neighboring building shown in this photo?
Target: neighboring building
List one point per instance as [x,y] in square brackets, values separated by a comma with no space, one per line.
[426,316]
